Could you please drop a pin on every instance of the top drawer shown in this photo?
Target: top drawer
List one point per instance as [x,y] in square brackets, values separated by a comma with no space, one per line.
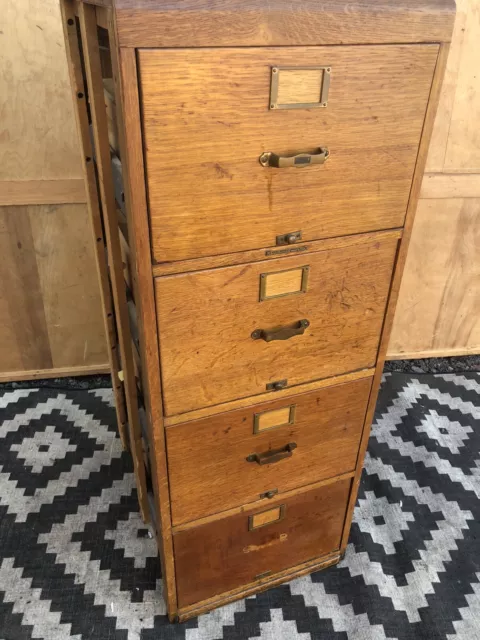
[207,121]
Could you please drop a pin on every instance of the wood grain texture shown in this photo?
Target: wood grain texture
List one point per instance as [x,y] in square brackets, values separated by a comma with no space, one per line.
[260,503]
[38,137]
[109,95]
[438,309]
[170,421]
[51,317]
[463,148]
[49,311]
[201,454]
[450,185]
[24,192]
[131,149]
[59,372]
[455,142]
[223,555]
[438,145]
[216,198]
[163,23]
[229,259]
[93,72]
[206,319]
[261,584]
[398,272]
[454,173]
[78,88]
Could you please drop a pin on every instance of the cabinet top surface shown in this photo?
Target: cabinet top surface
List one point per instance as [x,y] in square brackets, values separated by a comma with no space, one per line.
[199,23]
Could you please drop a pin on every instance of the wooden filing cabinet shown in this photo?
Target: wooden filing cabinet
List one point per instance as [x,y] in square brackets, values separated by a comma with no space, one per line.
[252,171]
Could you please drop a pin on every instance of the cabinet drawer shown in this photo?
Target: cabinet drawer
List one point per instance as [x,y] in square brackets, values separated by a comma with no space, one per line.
[225,554]
[226,460]
[210,195]
[220,328]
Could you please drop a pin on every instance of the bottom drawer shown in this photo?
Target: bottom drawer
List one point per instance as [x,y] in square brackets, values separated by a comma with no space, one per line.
[230,552]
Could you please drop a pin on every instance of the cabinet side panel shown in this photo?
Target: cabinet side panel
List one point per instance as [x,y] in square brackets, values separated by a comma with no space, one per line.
[125,72]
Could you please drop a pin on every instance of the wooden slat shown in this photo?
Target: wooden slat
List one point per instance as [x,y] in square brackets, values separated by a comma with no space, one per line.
[397,277]
[60,372]
[463,148]
[444,352]
[439,141]
[131,151]
[230,259]
[88,29]
[445,185]
[229,23]
[261,503]
[265,397]
[24,192]
[68,8]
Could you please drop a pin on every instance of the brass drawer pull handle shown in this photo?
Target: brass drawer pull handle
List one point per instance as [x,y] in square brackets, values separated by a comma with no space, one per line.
[270,159]
[281,333]
[273,456]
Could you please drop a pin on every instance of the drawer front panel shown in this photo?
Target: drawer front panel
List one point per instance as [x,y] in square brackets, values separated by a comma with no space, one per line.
[225,554]
[226,460]
[219,341]
[209,194]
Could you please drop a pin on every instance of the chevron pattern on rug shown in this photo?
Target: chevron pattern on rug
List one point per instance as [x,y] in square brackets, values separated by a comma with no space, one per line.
[77,562]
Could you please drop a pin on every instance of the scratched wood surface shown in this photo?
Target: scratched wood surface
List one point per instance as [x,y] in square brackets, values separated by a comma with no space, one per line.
[206,319]
[212,196]
[220,556]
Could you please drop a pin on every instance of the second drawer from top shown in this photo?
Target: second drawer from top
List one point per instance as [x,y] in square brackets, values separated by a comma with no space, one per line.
[240,331]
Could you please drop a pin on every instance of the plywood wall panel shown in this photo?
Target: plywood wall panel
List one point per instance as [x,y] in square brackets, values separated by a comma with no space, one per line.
[25,313]
[463,148]
[441,129]
[439,304]
[37,131]
[49,297]
[50,311]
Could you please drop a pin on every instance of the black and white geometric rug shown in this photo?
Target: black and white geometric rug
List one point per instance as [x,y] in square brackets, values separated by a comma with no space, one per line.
[77,562]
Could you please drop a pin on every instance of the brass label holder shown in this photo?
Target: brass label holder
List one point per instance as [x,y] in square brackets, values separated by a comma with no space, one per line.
[264,518]
[277,284]
[295,76]
[261,418]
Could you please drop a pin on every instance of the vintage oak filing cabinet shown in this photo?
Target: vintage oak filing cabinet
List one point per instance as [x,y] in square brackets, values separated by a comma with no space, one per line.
[252,171]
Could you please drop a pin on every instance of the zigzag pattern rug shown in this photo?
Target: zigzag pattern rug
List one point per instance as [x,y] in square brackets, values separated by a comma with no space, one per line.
[77,562]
